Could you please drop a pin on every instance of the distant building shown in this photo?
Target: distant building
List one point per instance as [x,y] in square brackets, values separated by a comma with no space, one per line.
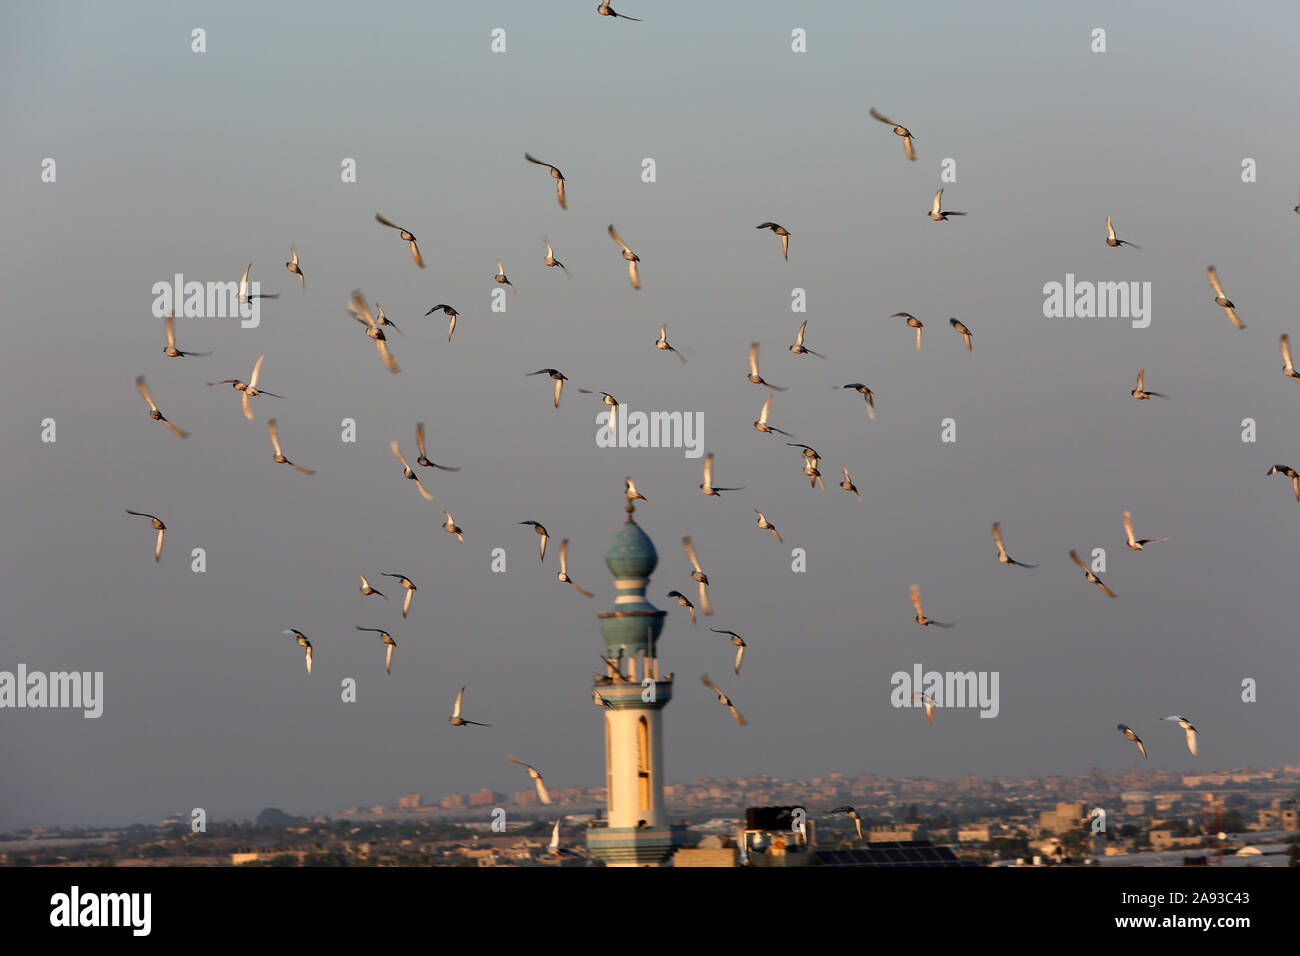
[1066,816]
[486,798]
[410,802]
[1281,815]
[453,801]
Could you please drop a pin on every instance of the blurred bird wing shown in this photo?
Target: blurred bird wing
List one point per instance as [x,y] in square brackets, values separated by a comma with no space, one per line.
[753,359]
[459,698]
[273,431]
[419,438]
[171,330]
[143,388]
[767,407]
[708,470]
[798,339]
[564,556]
[938,198]
[1213,275]
[997,539]
[915,594]
[1128,528]
[1286,353]
[1110,230]
[689,545]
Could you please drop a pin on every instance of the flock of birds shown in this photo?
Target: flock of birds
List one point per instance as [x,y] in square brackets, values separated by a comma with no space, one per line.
[376,325]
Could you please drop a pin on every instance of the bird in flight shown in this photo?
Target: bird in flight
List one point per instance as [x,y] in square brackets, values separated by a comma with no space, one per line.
[698,576]
[424,459]
[501,278]
[456,719]
[249,388]
[415,250]
[798,347]
[605,10]
[762,424]
[808,451]
[1002,551]
[753,375]
[1221,300]
[409,473]
[450,527]
[1074,556]
[608,399]
[368,590]
[929,705]
[541,533]
[553,849]
[1112,241]
[780,231]
[559,381]
[767,525]
[898,131]
[559,187]
[156,415]
[736,640]
[551,260]
[244,297]
[1140,393]
[1288,369]
[723,699]
[915,593]
[446,310]
[1133,543]
[914,322]
[629,490]
[304,643]
[1186,724]
[663,345]
[559,377]
[274,432]
[857,820]
[385,320]
[868,393]
[707,485]
[684,602]
[563,574]
[1127,731]
[537,777]
[170,349]
[406,583]
[292,266]
[631,257]
[361,312]
[157,526]
[599,699]
[814,476]
[848,485]
[387,639]
[938,216]
[963,331]
[1290,473]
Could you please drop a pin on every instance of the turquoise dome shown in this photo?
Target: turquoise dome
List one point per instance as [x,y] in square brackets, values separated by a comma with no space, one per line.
[634,623]
[631,554]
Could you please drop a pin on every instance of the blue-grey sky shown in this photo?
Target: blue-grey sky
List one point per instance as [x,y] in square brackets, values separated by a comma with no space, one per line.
[172,161]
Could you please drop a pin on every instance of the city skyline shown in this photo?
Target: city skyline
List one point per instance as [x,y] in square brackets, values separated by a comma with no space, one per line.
[171,161]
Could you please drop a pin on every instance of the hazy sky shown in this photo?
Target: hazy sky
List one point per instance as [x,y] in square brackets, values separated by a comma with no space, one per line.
[172,161]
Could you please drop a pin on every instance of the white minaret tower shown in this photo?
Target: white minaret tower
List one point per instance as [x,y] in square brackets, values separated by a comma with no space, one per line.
[632,695]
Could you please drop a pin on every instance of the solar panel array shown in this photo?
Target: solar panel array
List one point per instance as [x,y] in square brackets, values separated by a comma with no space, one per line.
[903,853]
